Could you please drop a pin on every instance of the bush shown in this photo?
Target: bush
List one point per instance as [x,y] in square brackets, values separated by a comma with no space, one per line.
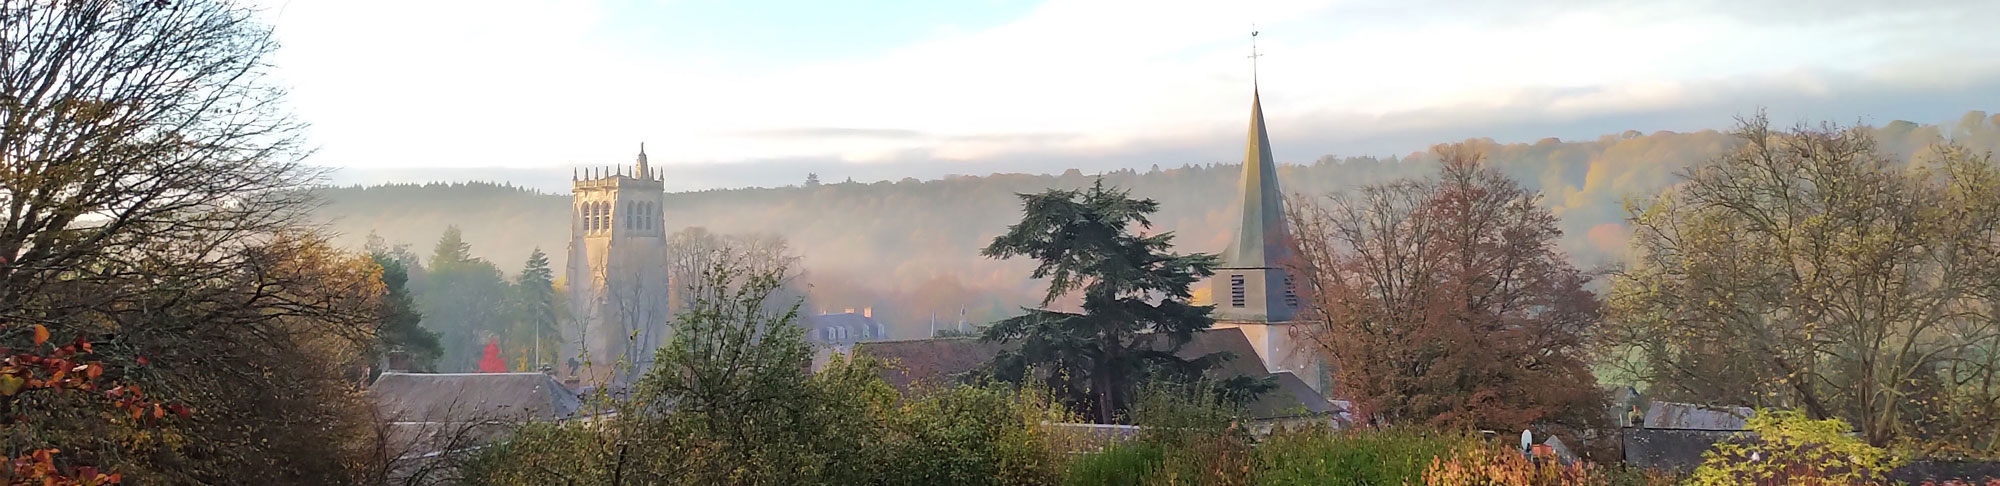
[1791,449]
[976,435]
[1190,435]
[1127,463]
[1498,466]
[1319,455]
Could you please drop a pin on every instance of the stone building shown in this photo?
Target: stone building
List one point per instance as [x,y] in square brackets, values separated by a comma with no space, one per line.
[1253,289]
[617,274]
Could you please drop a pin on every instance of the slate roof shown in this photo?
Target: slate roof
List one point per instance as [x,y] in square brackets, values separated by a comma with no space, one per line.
[1261,241]
[935,361]
[1688,416]
[859,327]
[941,360]
[455,397]
[1676,450]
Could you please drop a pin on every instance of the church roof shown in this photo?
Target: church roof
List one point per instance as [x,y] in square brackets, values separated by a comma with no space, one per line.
[1261,241]
[939,361]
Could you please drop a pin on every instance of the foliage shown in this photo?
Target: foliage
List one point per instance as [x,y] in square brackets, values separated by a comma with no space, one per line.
[730,401]
[976,434]
[1792,449]
[154,188]
[464,300]
[71,369]
[401,328]
[1317,455]
[1498,466]
[1808,270]
[536,309]
[1445,301]
[1119,464]
[1135,313]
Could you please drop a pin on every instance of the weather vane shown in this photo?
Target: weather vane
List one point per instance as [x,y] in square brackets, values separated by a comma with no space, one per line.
[1253,54]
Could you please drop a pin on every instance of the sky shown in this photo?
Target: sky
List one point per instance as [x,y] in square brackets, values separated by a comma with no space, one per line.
[733,93]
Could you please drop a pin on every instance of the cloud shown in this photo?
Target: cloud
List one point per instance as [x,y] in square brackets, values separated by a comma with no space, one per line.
[835,132]
[539,83]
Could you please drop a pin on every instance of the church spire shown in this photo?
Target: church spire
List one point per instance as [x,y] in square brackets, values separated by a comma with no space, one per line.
[1262,240]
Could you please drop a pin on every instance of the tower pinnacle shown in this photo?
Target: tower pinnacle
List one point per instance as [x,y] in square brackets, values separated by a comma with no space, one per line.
[640,169]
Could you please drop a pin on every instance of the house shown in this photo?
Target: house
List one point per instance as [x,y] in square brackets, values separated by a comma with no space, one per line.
[425,415]
[844,327]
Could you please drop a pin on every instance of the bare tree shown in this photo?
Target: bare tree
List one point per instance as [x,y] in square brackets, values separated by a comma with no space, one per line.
[1807,270]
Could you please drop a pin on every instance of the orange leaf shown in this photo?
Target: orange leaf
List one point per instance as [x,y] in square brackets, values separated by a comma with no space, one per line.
[41,334]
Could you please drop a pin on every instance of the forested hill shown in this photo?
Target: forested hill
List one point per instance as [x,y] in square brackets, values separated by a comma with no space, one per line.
[910,248]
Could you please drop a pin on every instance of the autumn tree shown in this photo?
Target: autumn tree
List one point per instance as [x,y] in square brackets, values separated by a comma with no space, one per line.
[1445,300]
[1806,270]
[1135,311]
[150,193]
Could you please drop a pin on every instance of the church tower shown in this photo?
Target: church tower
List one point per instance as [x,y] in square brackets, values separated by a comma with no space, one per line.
[1253,288]
[617,273]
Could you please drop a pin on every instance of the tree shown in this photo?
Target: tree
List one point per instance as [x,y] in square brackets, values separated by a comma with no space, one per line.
[1446,301]
[1135,298]
[464,299]
[812,180]
[535,307]
[1805,270]
[401,328]
[150,187]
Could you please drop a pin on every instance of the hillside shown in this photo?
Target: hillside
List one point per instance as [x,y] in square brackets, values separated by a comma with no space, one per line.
[910,248]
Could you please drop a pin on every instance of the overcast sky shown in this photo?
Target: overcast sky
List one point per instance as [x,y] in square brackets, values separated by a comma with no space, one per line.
[884,88]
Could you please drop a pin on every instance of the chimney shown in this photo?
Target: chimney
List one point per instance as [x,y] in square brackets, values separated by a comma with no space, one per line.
[868,312]
[399,362]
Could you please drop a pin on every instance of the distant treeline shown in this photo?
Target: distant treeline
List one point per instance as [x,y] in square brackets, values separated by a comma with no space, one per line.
[909,248]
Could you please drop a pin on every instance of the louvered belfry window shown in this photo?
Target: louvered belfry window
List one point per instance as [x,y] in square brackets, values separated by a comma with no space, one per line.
[1236,291]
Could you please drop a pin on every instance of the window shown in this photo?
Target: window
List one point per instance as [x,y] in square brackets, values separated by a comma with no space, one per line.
[1236,290]
[1291,293]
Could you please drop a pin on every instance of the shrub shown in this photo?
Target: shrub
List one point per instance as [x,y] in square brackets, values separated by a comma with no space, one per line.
[1121,464]
[1319,455]
[1496,466]
[1791,449]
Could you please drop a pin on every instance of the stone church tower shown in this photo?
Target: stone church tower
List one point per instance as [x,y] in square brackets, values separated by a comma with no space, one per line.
[617,273]
[1253,289]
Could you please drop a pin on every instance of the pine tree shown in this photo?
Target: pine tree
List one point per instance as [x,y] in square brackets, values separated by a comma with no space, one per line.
[535,307]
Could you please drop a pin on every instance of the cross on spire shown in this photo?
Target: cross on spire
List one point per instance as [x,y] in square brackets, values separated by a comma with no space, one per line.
[1253,55]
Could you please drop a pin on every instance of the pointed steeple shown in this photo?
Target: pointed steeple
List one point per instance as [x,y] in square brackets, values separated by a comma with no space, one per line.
[1262,240]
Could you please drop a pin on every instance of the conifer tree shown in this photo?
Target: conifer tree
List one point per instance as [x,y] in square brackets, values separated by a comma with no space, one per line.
[1135,310]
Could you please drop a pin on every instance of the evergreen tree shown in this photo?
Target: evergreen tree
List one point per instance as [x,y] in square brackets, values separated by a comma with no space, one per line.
[464,299]
[401,328]
[535,309]
[1135,315]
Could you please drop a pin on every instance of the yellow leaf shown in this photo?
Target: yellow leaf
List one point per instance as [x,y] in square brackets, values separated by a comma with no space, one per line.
[41,334]
[10,385]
